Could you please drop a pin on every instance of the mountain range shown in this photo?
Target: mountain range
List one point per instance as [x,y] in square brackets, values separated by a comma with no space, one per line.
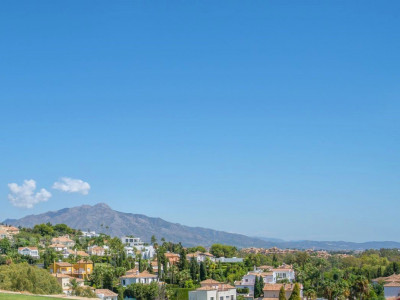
[101,218]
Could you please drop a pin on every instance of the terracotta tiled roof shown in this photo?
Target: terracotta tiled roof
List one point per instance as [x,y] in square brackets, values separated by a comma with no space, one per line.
[57,246]
[220,287]
[63,264]
[209,281]
[30,248]
[277,286]
[132,271]
[206,288]
[393,283]
[84,262]
[105,292]
[144,274]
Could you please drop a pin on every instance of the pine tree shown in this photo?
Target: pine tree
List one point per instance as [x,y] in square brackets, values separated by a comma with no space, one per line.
[282,293]
[296,293]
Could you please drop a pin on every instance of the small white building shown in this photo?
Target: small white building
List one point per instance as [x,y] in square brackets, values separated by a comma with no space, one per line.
[63,240]
[148,252]
[213,290]
[29,251]
[231,260]
[391,289]
[249,279]
[283,272]
[130,251]
[134,276]
[131,241]
[106,294]
[90,234]
[96,250]
[200,256]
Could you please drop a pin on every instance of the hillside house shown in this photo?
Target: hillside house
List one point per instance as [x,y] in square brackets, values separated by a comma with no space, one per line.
[131,241]
[63,240]
[172,258]
[82,269]
[89,234]
[133,276]
[200,256]
[29,251]
[65,281]
[283,272]
[96,250]
[231,260]
[58,247]
[248,280]
[213,290]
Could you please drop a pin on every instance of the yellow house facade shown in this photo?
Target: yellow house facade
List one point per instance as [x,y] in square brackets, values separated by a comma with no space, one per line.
[82,269]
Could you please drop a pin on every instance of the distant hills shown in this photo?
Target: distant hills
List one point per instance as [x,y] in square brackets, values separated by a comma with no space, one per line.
[102,218]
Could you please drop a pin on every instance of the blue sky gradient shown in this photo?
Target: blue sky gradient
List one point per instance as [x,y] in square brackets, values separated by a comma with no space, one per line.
[269,118]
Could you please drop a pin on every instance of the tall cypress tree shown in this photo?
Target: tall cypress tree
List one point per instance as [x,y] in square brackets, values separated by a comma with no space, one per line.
[261,286]
[258,286]
[203,271]
[193,268]
[282,293]
[183,263]
[296,293]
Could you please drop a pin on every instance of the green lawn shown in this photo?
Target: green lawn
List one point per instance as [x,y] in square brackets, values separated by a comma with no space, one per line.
[4,296]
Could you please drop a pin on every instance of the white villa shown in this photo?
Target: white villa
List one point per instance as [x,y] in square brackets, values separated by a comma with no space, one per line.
[270,276]
[29,251]
[200,256]
[133,276]
[213,290]
[231,260]
[131,241]
[89,234]
[283,272]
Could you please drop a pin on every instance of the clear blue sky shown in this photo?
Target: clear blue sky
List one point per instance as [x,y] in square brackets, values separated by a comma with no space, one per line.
[270,118]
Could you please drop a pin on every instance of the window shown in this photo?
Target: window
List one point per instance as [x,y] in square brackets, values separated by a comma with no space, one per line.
[123,282]
[221,298]
[211,298]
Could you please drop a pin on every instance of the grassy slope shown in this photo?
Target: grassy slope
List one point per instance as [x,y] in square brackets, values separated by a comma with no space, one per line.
[4,296]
